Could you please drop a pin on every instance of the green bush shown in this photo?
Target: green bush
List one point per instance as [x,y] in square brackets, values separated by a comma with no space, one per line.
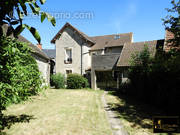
[58,80]
[76,81]
[19,74]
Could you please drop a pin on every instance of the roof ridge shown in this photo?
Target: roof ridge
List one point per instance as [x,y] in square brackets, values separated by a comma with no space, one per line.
[112,34]
[86,37]
[145,41]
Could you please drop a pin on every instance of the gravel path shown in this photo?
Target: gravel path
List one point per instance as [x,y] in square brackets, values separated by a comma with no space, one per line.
[115,123]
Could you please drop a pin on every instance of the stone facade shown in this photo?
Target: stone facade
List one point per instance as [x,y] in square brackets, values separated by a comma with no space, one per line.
[44,68]
[81,59]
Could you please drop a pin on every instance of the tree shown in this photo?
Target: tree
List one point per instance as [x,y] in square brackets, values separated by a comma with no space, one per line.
[172,22]
[13,11]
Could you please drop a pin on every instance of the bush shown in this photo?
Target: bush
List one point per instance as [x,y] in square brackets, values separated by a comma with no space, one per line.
[157,78]
[76,81]
[19,74]
[58,80]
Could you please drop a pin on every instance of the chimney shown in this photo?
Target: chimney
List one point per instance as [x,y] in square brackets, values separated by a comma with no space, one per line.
[169,35]
[39,46]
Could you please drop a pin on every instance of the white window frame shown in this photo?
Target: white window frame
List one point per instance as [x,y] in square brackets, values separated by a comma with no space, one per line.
[65,55]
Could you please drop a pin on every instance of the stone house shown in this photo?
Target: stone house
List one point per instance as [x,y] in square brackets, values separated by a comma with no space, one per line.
[72,50]
[78,53]
[41,58]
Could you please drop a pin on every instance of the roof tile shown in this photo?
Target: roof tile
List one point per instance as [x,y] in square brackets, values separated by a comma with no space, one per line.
[132,48]
[110,41]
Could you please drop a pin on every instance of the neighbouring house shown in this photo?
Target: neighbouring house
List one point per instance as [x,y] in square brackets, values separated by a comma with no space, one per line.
[105,56]
[41,58]
[130,49]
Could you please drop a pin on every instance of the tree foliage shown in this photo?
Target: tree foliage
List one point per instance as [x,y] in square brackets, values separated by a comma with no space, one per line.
[12,13]
[19,74]
[172,22]
[156,80]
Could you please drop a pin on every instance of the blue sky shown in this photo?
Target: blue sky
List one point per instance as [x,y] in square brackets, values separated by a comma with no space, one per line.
[142,17]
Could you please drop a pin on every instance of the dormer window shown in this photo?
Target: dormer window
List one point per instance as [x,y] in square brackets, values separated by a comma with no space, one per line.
[68,56]
[117,37]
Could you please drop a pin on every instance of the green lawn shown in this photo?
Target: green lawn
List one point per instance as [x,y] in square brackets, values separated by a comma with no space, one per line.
[59,112]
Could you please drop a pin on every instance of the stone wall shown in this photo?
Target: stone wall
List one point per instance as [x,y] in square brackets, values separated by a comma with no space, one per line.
[86,58]
[44,68]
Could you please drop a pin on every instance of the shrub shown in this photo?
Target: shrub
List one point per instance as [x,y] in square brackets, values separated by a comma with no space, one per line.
[157,78]
[19,74]
[58,80]
[76,81]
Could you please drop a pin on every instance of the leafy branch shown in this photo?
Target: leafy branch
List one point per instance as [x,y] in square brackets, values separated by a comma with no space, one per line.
[172,22]
[12,13]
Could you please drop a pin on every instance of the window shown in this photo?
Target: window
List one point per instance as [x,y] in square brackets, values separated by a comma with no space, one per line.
[117,37]
[68,72]
[68,56]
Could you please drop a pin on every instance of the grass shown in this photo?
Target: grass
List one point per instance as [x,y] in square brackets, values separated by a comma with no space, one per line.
[59,112]
[135,116]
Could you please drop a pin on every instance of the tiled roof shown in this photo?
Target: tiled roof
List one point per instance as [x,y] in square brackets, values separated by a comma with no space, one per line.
[78,31]
[50,53]
[132,48]
[110,41]
[99,42]
[34,48]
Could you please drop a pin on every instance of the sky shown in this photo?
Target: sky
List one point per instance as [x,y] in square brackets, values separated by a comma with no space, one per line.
[102,17]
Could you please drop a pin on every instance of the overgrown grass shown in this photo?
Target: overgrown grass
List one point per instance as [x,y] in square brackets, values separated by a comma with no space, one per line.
[135,116]
[59,112]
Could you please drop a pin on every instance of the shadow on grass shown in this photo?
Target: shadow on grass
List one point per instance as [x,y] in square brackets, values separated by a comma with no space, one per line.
[9,120]
[137,113]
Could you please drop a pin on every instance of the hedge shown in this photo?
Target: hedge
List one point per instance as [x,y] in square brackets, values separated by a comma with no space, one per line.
[76,81]
[58,81]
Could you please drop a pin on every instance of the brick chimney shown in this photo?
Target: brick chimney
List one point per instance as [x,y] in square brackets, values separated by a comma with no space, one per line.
[39,46]
[169,35]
